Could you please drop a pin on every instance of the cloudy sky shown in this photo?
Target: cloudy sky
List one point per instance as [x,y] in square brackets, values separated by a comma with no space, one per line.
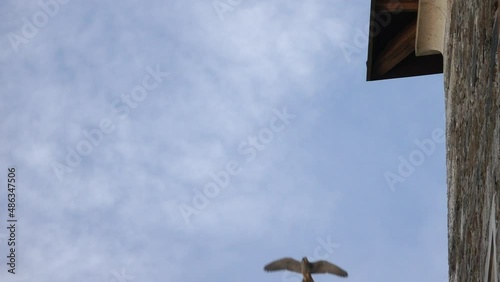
[199,140]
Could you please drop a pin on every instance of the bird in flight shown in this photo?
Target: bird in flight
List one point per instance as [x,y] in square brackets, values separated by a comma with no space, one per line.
[305,267]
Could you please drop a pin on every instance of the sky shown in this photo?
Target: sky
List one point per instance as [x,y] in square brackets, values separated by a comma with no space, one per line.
[200,140]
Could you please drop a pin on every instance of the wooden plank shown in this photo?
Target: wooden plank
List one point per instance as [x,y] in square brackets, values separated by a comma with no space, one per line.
[400,47]
[397,6]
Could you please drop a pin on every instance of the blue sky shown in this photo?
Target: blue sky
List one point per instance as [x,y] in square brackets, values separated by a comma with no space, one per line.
[200,140]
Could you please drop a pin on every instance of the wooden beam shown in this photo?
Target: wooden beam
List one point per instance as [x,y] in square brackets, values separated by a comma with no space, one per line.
[397,6]
[397,49]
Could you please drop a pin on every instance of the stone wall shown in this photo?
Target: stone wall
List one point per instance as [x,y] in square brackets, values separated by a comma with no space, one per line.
[472,95]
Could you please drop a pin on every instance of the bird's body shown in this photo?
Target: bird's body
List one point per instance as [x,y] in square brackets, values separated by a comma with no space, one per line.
[305,267]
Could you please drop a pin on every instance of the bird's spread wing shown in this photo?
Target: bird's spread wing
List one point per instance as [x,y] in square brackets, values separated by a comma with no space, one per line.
[284,264]
[323,266]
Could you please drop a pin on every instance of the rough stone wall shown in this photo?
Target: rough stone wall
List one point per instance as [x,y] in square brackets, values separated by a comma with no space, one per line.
[473,135]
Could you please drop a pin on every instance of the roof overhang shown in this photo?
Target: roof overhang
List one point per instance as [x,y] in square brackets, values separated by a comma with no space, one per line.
[406,38]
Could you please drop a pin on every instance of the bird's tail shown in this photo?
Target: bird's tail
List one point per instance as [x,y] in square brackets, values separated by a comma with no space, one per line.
[308,278]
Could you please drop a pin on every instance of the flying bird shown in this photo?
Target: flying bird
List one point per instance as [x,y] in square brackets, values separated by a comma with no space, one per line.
[305,267]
